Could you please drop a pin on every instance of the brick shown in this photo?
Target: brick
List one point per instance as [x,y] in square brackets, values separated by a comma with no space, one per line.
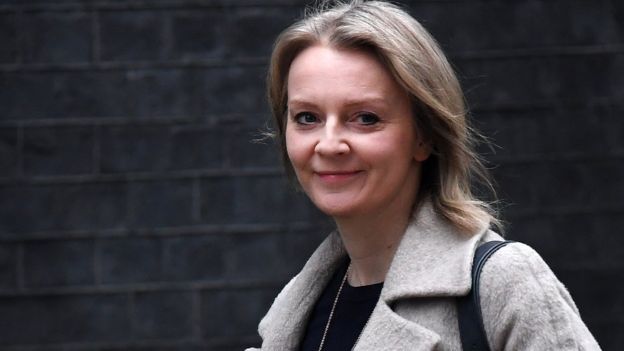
[200,34]
[534,133]
[160,93]
[582,185]
[564,184]
[57,37]
[57,95]
[512,134]
[246,149]
[144,93]
[197,147]
[578,131]
[516,185]
[536,231]
[252,200]
[265,24]
[130,260]
[606,224]
[234,314]
[590,240]
[487,84]
[271,256]
[233,90]
[303,210]
[24,95]
[58,263]
[194,258]
[297,246]
[545,233]
[134,148]
[161,203]
[8,38]
[599,295]
[615,133]
[518,25]
[55,319]
[58,150]
[8,152]
[607,183]
[520,81]
[62,207]
[300,3]
[8,266]
[217,33]
[605,335]
[131,35]
[152,259]
[617,11]
[163,315]
[43,1]
[256,257]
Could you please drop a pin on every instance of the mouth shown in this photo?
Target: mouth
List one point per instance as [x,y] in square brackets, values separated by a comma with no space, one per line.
[336,176]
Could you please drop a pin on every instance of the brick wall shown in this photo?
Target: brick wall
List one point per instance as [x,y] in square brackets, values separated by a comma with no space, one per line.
[135,213]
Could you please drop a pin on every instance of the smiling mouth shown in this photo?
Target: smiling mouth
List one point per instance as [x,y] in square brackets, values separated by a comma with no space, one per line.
[336,176]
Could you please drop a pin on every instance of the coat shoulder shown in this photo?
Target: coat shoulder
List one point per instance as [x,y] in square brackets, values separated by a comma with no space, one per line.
[525,306]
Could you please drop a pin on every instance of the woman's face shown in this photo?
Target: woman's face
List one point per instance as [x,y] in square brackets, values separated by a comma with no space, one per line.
[350,135]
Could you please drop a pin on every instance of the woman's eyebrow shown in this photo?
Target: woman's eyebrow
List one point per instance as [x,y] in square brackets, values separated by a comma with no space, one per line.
[301,104]
[374,100]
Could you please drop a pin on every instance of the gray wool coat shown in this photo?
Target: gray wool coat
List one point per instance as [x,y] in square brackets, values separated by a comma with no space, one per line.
[524,306]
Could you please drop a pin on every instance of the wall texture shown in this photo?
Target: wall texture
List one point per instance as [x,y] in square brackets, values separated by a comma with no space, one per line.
[135,213]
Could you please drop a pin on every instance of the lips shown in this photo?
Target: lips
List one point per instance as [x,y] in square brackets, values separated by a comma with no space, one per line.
[329,173]
[333,177]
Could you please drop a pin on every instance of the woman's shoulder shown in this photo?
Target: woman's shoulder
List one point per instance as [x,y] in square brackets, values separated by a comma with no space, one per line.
[517,263]
[526,307]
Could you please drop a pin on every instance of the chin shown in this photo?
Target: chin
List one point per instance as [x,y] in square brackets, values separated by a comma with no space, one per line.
[337,209]
[338,204]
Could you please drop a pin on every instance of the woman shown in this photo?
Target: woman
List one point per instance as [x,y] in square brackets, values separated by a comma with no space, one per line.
[372,123]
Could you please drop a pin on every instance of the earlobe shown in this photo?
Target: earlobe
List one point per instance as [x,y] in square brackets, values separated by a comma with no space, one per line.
[422,151]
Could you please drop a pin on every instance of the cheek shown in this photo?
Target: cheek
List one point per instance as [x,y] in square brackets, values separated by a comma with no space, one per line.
[294,148]
[390,147]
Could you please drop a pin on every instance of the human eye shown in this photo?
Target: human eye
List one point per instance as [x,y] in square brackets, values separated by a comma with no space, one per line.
[367,118]
[305,118]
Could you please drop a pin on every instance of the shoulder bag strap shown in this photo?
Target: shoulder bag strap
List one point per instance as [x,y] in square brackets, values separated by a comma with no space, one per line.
[471,329]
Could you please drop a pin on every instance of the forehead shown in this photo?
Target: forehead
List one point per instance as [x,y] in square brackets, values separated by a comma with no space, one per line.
[325,70]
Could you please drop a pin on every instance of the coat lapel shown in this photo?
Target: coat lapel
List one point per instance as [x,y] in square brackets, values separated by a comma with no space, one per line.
[283,326]
[386,330]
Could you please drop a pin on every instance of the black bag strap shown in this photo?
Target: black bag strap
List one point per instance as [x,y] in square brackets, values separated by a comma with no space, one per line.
[471,329]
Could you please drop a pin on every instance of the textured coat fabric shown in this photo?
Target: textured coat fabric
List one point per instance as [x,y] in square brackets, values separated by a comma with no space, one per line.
[524,306]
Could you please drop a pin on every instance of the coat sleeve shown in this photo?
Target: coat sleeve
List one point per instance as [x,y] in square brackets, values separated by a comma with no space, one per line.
[525,307]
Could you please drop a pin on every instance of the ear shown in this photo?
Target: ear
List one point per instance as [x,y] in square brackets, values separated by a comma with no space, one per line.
[423,147]
[422,150]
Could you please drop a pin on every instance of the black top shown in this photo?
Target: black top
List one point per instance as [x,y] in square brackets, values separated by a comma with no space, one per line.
[354,306]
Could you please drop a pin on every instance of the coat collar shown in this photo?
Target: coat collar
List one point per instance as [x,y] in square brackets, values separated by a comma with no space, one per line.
[433,259]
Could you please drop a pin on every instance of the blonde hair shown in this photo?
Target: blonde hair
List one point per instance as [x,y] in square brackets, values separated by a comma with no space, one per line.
[417,63]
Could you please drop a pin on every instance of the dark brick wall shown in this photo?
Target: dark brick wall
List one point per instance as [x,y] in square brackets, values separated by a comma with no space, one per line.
[135,213]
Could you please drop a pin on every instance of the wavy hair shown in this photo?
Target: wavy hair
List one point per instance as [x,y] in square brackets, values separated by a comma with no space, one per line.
[417,63]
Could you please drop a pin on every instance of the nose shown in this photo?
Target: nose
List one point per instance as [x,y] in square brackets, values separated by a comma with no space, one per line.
[332,140]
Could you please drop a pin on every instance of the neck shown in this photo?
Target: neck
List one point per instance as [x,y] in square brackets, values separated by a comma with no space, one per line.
[371,242]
